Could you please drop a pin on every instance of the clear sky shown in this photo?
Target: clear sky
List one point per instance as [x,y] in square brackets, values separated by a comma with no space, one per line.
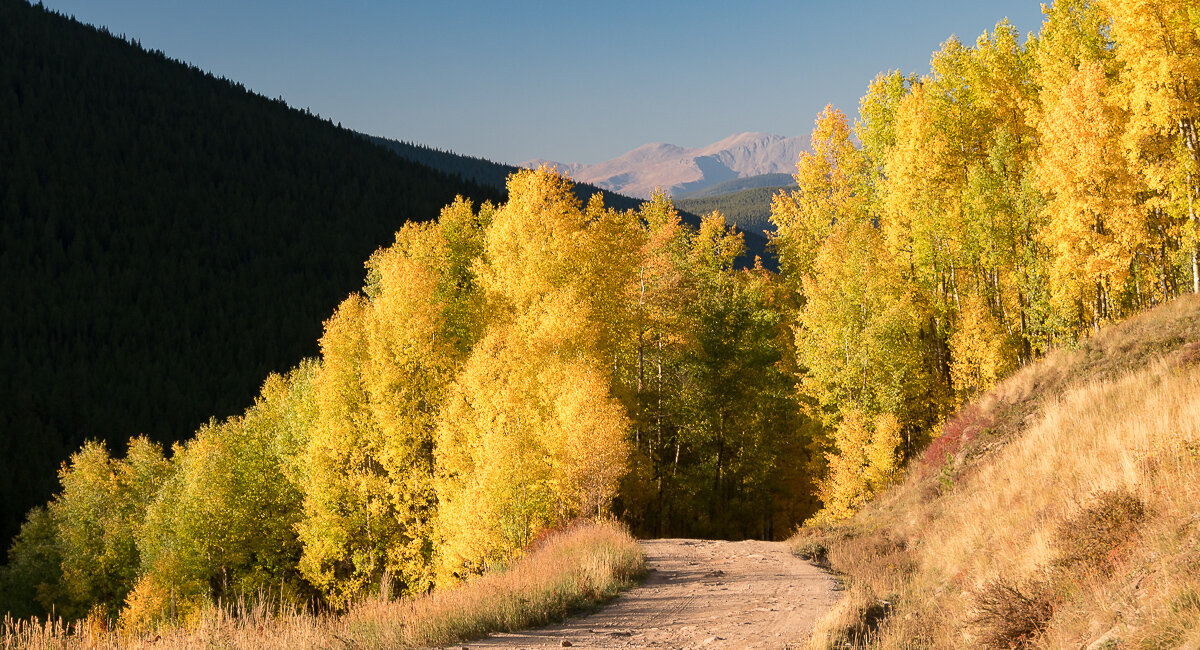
[566,81]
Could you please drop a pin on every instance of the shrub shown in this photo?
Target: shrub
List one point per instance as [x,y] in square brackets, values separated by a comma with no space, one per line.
[1095,537]
[956,433]
[811,549]
[1190,355]
[1012,615]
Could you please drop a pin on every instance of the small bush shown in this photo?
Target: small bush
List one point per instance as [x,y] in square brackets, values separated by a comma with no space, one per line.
[1095,537]
[1190,355]
[1012,615]
[811,549]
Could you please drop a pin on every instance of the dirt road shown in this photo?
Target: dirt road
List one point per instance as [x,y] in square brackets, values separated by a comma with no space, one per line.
[699,594]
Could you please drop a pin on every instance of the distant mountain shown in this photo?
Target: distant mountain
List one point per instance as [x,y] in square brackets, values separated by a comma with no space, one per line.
[739,184]
[486,172]
[679,170]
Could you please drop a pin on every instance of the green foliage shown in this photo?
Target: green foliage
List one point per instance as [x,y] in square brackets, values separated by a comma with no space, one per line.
[224,522]
[96,520]
[32,579]
[734,185]
[858,333]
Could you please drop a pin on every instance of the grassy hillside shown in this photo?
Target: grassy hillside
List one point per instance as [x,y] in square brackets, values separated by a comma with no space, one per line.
[749,210]
[1059,510]
[167,239]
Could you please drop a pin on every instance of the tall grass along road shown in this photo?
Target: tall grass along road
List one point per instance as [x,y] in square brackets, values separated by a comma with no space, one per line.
[700,594]
[570,571]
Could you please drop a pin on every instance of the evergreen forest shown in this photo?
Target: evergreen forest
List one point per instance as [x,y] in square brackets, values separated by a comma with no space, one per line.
[748,209]
[525,361]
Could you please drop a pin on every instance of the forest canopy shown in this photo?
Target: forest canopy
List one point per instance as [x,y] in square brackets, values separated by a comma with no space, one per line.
[505,369]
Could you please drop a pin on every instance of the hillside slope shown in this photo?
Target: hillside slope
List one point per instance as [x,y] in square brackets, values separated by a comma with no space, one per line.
[167,239]
[1060,510]
[739,184]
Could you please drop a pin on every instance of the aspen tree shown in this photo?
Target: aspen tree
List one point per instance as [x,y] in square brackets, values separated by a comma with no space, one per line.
[1095,223]
[97,517]
[832,189]
[1159,47]
[530,436]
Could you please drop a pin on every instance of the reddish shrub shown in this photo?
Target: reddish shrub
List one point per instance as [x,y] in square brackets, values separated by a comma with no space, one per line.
[960,429]
[1097,536]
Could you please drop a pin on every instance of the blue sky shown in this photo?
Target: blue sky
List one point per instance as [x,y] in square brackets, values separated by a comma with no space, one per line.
[567,81]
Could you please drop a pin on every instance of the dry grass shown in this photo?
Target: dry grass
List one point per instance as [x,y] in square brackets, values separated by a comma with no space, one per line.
[568,572]
[1080,476]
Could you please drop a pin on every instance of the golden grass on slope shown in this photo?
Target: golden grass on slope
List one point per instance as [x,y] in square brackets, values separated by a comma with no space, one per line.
[570,571]
[988,533]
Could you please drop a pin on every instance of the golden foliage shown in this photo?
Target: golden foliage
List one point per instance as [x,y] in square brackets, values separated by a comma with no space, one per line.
[1095,225]
[983,351]
[832,189]
[530,436]
[865,460]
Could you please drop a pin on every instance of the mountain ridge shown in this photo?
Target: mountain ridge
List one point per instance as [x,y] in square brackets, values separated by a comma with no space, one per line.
[679,170]
[167,239]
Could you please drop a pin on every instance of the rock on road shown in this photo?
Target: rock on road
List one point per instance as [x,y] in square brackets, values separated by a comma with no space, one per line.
[699,594]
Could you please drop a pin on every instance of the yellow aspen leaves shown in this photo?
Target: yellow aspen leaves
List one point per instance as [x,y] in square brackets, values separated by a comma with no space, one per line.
[863,462]
[1159,47]
[1095,223]
[530,436]
[511,367]
[832,189]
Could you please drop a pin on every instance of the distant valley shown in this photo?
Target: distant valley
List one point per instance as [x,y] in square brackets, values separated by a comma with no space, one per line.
[748,209]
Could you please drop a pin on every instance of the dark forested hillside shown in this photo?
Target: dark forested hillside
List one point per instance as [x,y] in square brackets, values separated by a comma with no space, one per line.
[477,170]
[166,239]
[749,210]
[739,184]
